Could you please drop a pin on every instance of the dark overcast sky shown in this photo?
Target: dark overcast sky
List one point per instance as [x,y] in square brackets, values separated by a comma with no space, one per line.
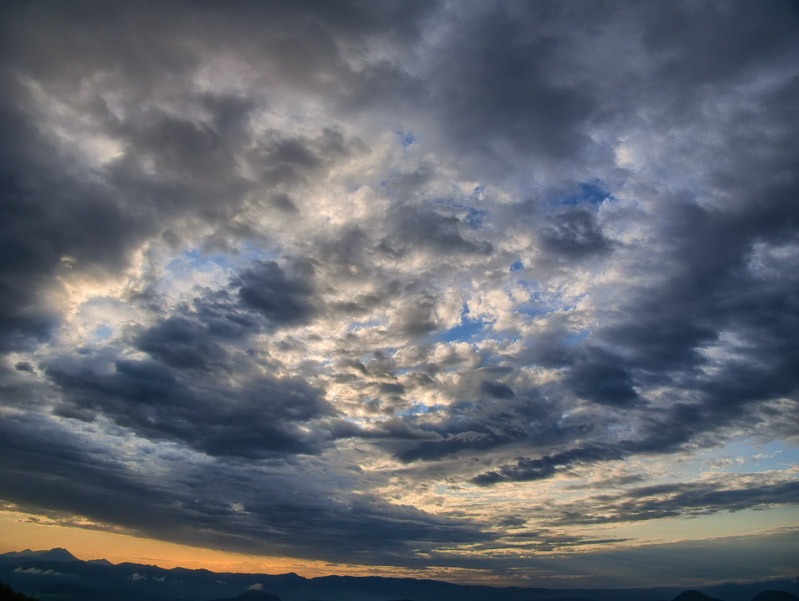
[488,290]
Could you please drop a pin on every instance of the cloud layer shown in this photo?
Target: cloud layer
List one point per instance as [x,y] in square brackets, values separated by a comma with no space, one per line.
[399,284]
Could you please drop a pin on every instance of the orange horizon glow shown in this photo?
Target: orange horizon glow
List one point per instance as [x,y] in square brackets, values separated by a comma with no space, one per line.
[22,531]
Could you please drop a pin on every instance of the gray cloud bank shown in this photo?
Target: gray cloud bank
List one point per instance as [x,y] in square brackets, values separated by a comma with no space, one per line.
[271,272]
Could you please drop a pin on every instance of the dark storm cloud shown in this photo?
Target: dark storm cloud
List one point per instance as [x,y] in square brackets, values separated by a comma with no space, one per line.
[744,37]
[661,431]
[301,42]
[260,416]
[284,203]
[708,287]
[574,234]
[497,390]
[602,378]
[430,298]
[229,506]
[57,218]
[417,319]
[283,161]
[284,299]
[201,384]
[550,348]
[664,564]
[710,291]
[670,500]
[263,297]
[498,89]
[418,227]
[361,519]
[40,454]
[525,470]
[185,152]
[488,416]
[508,92]
[125,57]
[51,222]
[182,343]
[546,540]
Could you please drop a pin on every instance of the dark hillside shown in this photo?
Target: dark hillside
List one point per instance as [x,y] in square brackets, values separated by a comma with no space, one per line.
[693,595]
[9,594]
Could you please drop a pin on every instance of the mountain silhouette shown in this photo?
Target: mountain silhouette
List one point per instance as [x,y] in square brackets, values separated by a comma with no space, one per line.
[56,575]
[56,554]
[9,594]
[694,596]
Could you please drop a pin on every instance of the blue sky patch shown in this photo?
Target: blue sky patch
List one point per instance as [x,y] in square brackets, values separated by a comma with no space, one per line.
[406,138]
[102,333]
[591,193]
[195,260]
[415,409]
[577,336]
[474,217]
[464,331]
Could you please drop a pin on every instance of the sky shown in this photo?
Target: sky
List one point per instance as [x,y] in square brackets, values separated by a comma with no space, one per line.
[485,291]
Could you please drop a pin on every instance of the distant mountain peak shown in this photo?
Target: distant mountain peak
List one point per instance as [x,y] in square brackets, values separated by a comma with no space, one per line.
[24,553]
[55,554]
[694,595]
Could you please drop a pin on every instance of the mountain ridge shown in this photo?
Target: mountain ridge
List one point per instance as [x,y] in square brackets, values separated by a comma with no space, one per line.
[32,573]
[54,554]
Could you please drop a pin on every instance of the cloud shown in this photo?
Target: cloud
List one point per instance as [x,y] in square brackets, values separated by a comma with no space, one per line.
[275,508]
[676,499]
[224,258]
[283,300]
[574,234]
[259,416]
[36,571]
[547,466]
[24,366]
